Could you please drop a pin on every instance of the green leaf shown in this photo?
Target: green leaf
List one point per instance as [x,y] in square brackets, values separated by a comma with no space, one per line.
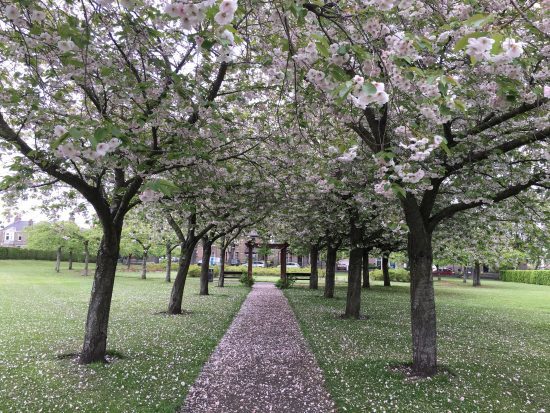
[479,20]
[443,87]
[338,73]
[76,133]
[322,48]
[369,88]
[444,146]
[398,190]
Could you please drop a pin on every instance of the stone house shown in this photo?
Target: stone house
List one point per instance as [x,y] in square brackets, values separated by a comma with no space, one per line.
[14,235]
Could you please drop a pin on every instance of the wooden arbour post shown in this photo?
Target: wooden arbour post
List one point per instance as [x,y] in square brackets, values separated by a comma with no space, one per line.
[283,247]
[283,261]
[250,245]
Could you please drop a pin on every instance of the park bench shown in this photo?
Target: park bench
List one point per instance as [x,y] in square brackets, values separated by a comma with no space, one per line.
[299,275]
[232,274]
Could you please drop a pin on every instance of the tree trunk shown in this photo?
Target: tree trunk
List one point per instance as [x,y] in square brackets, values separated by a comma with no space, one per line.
[205,266]
[366,275]
[353,301]
[86,257]
[330,271]
[464,275]
[385,269]
[70,259]
[176,296]
[222,265]
[476,279]
[129,261]
[423,318]
[313,258]
[97,321]
[58,259]
[167,278]
[144,265]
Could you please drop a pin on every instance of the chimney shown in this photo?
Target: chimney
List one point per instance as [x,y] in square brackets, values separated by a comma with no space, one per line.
[17,218]
[30,222]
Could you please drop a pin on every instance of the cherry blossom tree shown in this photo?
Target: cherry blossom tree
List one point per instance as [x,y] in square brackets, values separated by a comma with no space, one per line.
[103,97]
[450,98]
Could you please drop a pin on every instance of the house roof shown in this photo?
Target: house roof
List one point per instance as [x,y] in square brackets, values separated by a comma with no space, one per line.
[18,226]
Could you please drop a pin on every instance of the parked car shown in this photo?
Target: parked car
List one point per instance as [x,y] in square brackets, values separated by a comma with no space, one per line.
[342,265]
[443,271]
[213,261]
[293,265]
[235,261]
[258,264]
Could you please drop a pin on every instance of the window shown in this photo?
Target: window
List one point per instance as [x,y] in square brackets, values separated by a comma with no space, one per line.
[7,237]
[19,237]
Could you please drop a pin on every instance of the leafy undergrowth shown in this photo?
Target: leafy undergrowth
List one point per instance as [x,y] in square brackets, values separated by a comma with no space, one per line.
[156,357]
[494,346]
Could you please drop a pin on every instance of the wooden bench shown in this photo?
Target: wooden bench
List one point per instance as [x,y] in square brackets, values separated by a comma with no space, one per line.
[299,275]
[232,274]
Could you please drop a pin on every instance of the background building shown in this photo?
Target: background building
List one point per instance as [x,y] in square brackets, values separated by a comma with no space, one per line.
[13,235]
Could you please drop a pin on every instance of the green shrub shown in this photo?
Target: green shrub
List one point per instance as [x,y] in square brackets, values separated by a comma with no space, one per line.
[399,275]
[271,271]
[244,280]
[284,284]
[195,271]
[9,253]
[541,277]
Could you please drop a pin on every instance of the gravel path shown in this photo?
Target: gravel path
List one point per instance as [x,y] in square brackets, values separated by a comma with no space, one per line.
[262,364]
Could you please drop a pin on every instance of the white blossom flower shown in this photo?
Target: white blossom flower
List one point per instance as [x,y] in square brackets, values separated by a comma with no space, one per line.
[512,48]
[66,45]
[223,18]
[59,130]
[67,150]
[228,6]
[38,15]
[12,12]
[149,195]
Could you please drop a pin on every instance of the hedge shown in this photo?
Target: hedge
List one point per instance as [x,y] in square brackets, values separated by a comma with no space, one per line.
[195,270]
[8,253]
[399,275]
[541,277]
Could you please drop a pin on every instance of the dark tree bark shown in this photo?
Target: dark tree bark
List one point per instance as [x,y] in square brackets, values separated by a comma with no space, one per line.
[86,257]
[58,259]
[144,265]
[366,275]
[70,259]
[423,319]
[129,262]
[385,268]
[476,278]
[314,258]
[353,301]
[187,245]
[221,280]
[464,275]
[332,250]
[168,276]
[97,321]
[176,296]
[205,266]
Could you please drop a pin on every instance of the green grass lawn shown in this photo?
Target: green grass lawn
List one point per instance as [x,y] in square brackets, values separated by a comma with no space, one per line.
[493,340]
[42,315]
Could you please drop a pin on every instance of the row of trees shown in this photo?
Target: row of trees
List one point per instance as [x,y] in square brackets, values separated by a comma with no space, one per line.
[344,123]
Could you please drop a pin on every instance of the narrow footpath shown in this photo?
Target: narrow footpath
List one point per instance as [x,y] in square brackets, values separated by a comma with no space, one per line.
[262,364]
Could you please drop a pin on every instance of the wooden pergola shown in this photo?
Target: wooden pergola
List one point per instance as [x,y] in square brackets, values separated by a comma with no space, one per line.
[283,247]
